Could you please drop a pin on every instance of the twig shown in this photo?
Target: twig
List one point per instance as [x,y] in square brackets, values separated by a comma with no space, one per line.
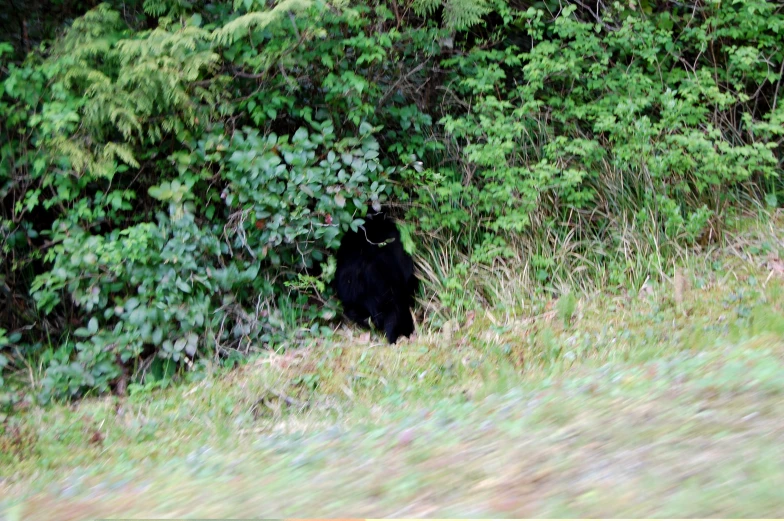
[778,84]
[399,81]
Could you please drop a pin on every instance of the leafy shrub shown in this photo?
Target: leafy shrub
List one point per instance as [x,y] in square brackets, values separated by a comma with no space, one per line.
[610,121]
[294,196]
[174,196]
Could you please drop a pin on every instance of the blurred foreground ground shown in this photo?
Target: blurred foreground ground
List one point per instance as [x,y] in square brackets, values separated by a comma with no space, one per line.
[669,403]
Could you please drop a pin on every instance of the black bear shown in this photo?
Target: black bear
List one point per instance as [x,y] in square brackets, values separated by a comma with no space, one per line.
[374,278]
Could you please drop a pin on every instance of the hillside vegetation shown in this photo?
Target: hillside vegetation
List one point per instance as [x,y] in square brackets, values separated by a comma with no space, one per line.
[667,403]
[175,176]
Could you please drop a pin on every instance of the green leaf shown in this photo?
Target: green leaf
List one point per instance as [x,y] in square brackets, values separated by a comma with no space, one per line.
[365,128]
[182,285]
[92,326]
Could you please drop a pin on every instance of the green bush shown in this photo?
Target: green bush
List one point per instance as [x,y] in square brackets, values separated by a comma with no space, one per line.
[662,121]
[299,193]
[176,190]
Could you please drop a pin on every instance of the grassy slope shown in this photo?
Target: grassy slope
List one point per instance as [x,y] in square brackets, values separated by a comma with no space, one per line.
[668,403]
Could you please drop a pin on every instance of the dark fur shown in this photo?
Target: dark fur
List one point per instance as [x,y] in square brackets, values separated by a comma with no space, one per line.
[375,281]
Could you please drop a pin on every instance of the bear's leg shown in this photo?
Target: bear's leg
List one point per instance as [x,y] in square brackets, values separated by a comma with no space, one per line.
[405,326]
[404,320]
[357,314]
[396,321]
[384,317]
[390,325]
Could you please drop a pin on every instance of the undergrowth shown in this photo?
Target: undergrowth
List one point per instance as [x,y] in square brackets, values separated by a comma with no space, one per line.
[175,176]
[686,370]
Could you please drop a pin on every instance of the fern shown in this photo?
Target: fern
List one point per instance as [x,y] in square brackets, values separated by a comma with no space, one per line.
[113,151]
[425,7]
[249,22]
[461,14]
[139,88]
[458,14]
[172,8]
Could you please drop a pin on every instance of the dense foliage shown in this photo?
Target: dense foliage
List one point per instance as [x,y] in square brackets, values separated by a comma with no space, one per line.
[175,175]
